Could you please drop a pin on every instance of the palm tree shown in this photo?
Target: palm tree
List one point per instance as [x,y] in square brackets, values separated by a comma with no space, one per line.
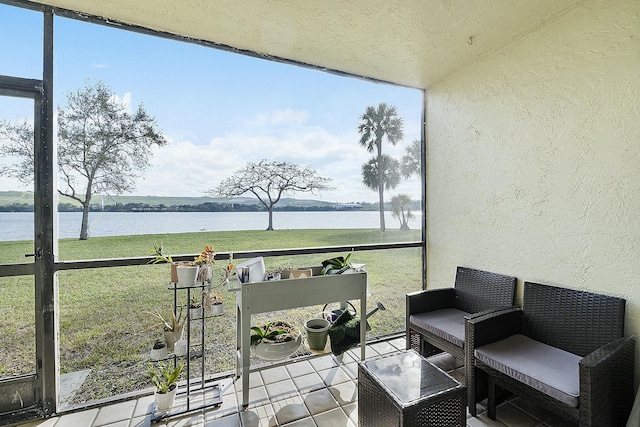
[376,125]
[411,160]
[390,172]
[398,205]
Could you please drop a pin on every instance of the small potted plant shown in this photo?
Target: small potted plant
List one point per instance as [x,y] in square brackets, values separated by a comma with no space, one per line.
[165,381]
[213,302]
[227,272]
[162,257]
[276,340]
[195,307]
[159,350]
[172,326]
[337,265]
[205,261]
[271,275]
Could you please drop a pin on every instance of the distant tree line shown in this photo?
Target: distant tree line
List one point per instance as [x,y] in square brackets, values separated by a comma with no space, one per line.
[203,207]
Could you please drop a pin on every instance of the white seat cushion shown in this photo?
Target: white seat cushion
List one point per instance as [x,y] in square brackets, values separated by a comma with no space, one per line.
[548,369]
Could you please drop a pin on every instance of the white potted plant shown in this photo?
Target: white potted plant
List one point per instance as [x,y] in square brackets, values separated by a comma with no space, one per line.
[172,326]
[214,300]
[275,340]
[165,381]
[159,350]
[195,308]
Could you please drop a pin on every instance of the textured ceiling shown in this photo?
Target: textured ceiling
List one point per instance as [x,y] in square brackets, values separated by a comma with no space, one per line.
[409,42]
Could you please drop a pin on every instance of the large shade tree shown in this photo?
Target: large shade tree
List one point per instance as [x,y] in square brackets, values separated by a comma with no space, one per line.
[16,149]
[377,125]
[101,147]
[269,181]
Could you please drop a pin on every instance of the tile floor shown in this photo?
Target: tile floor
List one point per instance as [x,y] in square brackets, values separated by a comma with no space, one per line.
[313,392]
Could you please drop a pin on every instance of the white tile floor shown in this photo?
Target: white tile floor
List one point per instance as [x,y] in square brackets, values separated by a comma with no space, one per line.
[314,392]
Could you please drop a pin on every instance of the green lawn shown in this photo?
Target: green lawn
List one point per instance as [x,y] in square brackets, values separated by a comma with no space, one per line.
[103,325]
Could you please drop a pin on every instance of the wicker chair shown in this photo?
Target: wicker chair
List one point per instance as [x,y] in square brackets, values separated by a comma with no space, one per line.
[522,351]
[474,291]
[435,318]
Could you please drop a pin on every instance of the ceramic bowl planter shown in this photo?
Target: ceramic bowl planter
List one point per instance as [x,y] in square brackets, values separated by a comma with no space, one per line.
[277,351]
[275,341]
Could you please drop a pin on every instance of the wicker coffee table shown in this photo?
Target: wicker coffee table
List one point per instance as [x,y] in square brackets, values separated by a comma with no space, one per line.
[405,389]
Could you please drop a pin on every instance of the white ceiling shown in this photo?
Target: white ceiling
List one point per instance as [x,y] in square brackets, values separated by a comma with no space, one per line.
[409,42]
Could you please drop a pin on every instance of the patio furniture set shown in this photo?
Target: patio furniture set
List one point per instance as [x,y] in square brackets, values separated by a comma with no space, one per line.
[564,348]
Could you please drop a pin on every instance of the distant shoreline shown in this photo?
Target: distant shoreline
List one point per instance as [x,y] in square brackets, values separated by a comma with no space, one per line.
[22,201]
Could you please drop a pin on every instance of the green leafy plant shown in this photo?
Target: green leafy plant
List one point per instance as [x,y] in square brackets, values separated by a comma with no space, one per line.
[161,256]
[194,302]
[276,331]
[164,378]
[174,322]
[336,265]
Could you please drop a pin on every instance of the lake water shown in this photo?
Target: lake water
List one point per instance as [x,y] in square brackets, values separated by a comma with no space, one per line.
[19,225]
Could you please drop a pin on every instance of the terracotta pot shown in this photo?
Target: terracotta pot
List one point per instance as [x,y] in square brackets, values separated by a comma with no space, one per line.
[174,270]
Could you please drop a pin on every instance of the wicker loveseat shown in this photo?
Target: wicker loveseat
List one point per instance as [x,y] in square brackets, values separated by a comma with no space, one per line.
[564,350]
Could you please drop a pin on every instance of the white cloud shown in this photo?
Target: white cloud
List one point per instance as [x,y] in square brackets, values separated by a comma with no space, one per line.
[287,116]
[186,169]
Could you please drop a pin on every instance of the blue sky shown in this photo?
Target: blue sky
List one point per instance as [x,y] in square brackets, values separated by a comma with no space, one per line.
[219,110]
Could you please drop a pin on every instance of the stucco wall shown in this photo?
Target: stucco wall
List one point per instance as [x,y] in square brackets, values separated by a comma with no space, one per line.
[534,159]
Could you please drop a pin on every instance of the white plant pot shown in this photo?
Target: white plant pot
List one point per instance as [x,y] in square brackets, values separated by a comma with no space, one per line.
[277,351]
[195,313]
[158,353]
[170,338]
[217,309]
[180,348]
[187,274]
[165,401]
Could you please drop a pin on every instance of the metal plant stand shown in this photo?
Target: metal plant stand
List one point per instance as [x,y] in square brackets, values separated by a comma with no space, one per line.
[198,392]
